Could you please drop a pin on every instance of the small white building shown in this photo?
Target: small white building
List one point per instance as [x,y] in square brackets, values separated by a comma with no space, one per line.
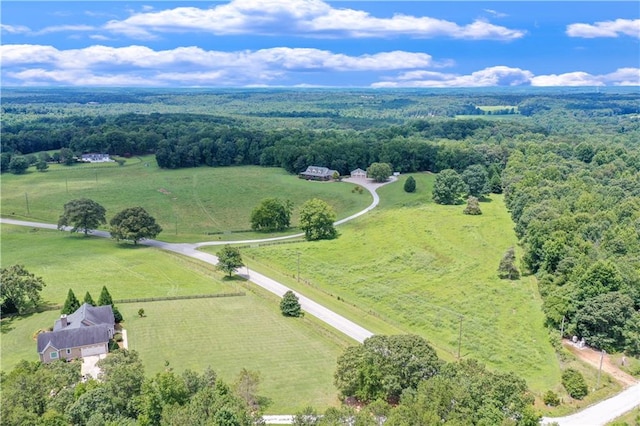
[358,174]
[95,158]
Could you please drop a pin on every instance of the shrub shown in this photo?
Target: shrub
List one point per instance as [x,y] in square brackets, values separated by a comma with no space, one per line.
[551,398]
[574,383]
[290,305]
[410,185]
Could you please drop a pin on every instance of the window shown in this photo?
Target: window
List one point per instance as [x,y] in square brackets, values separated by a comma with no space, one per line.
[53,355]
[68,351]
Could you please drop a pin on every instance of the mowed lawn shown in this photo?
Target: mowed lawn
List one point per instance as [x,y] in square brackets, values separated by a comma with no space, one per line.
[427,269]
[190,204]
[296,357]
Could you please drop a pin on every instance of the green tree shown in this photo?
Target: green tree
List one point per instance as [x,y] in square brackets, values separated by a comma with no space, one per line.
[379,172]
[290,305]
[316,220]
[18,165]
[246,387]
[272,214]
[88,299]
[448,187]
[603,318]
[229,259]
[383,367]
[473,207]
[82,214]
[507,267]
[122,374]
[66,157]
[410,185]
[574,383]
[42,166]
[477,180]
[105,299]
[19,289]
[495,184]
[135,224]
[71,304]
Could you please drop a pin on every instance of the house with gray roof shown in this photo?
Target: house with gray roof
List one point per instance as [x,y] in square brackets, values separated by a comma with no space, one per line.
[317,173]
[83,333]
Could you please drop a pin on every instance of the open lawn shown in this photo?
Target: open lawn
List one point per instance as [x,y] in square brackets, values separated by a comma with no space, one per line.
[196,204]
[428,269]
[294,356]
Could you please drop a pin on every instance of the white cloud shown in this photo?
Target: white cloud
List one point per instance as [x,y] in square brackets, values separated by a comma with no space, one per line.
[65,28]
[506,76]
[629,27]
[14,29]
[310,18]
[204,67]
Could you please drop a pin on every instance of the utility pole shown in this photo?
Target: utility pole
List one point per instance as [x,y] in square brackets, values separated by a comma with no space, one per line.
[460,337]
[26,196]
[600,369]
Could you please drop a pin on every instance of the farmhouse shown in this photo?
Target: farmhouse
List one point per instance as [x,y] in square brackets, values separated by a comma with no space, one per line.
[317,173]
[95,158]
[83,333]
[358,173]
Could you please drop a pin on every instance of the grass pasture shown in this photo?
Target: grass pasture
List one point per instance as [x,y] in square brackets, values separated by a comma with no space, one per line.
[188,203]
[422,267]
[295,357]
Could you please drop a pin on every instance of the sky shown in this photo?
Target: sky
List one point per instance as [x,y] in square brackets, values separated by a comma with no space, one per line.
[316,43]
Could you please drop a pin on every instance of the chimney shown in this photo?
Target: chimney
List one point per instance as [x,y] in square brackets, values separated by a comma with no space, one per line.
[63,320]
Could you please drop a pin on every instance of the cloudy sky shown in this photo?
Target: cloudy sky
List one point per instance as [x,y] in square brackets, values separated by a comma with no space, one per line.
[256,43]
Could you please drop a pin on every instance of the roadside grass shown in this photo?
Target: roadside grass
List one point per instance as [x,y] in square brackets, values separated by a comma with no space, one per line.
[191,204]
[423,268]
[632,418]
[295,357]
[73,261]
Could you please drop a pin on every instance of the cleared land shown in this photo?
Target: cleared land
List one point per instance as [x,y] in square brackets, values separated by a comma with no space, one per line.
[423,267]
[196,204]
[295,357]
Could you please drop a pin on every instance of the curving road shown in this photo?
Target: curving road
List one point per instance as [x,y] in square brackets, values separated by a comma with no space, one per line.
[597,414]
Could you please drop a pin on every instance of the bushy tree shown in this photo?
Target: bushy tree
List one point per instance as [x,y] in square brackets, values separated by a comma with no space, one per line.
[384,367]
[105,299]
[272,214]
[134,224]
[82,215]
[448,187]
[379,172]
[66,157]
[574,383]
[42,166]
[551,398]
[18,165]
[507,267]
[602,320]
[316,220]
[229,259]
[473,207]
[410,185]
[477,180]
[19,289]
[88,299]
[71,304]
[290,305]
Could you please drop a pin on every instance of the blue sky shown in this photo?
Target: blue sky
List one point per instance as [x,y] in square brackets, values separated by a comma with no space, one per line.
[307,43]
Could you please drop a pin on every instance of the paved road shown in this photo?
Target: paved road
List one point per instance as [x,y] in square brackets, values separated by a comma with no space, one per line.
[598,414]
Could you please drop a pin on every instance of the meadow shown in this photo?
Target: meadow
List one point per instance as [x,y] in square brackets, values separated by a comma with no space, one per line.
[429,269]
[293,356]
[196,204]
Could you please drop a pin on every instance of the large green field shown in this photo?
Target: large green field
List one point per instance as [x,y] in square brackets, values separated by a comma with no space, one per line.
[294,356]
[189,204]
[427,269]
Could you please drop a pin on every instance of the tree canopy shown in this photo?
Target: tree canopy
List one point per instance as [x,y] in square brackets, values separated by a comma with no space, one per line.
[134,224]
[379,172]
[316,220]
[410,184]
[19,289]
[83,215]
[71,304]
[290,305]
[229,259]
[272,214]
[448,187]
[477,180]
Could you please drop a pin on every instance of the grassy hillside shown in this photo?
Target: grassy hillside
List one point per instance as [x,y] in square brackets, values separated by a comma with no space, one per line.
[294,356]
[424,268]
[188,203]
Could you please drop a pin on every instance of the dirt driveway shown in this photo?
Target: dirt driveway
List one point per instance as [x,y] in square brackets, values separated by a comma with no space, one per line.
[592,357]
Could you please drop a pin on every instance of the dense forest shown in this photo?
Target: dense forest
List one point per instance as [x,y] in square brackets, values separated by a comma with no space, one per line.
[568,160]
